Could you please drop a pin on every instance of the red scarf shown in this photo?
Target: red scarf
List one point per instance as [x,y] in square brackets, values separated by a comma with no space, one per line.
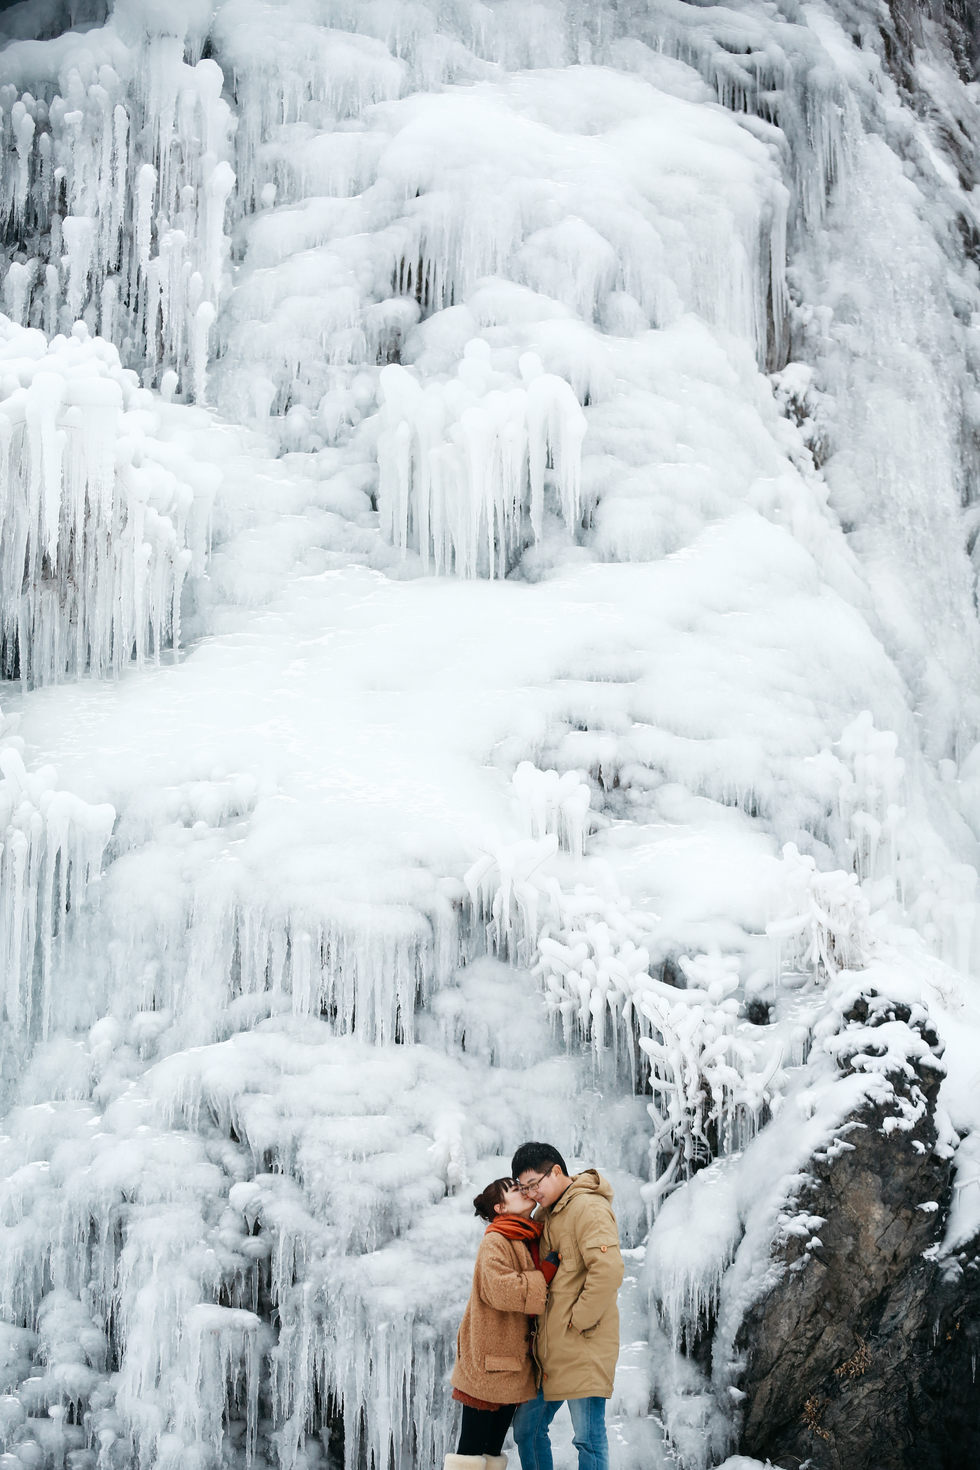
[519,1227]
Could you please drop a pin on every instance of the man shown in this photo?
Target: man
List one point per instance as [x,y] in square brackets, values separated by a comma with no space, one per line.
[578,1336]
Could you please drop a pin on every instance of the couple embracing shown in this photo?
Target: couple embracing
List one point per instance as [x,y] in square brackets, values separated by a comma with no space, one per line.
[541,1327]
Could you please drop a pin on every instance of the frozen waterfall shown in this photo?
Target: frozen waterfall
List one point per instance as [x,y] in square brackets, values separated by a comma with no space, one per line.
[488,630]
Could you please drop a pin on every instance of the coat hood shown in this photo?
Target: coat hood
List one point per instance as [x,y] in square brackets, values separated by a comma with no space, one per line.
[590,1181]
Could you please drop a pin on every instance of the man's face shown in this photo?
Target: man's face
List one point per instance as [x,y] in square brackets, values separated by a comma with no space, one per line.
[543,1186]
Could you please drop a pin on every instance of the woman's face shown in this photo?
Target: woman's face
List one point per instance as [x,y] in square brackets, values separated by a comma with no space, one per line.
[514,1203]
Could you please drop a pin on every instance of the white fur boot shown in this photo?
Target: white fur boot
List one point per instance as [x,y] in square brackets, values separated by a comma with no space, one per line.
[466,1462]
[496,1462]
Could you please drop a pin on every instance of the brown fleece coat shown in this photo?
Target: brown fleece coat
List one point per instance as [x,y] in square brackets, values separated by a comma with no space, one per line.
[493,1351]
[578,1337]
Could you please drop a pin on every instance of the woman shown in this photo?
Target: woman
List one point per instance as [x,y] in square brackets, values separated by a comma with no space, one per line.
[494,1370]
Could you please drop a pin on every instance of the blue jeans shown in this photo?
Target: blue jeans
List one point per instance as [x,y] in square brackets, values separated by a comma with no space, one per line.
[533,1420]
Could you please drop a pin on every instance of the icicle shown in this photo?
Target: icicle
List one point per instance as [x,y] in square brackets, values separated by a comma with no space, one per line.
[203,322]
[16,290]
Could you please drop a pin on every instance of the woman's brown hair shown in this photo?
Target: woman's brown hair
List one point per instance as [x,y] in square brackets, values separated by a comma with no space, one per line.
[494,1193]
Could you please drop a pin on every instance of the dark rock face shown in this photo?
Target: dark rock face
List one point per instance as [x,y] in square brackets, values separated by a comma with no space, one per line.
[906,26]
[949,1404]
[862,1356]
[963,19]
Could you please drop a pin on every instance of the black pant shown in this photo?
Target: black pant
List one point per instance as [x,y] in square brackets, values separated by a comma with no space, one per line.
[482,1430]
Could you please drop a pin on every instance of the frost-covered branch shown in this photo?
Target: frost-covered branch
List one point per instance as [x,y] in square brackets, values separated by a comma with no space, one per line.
[824,925]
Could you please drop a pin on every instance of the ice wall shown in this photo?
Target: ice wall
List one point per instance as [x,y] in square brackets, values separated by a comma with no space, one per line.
[565,712]
[889,341]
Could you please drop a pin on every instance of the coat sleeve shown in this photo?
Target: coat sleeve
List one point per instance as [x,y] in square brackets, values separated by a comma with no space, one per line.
[501,1286]
[598,1243]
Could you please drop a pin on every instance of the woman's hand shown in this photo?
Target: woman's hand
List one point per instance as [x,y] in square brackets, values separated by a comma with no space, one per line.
[549,1265]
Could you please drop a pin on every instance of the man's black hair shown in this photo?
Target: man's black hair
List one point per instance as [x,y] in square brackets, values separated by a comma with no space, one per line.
[540,1156]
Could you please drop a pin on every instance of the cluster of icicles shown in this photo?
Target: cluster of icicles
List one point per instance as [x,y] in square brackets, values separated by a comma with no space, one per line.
[51,848]
[119,177]
[98,514]
[464,463]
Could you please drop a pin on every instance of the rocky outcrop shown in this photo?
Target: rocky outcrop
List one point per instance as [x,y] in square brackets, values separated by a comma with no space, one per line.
[963,19]
[862,1355]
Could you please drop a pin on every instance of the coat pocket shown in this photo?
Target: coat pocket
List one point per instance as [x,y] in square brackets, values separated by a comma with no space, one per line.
[492,1364]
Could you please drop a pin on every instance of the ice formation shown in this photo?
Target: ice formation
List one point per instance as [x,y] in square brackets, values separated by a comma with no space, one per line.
[486,513]
[462,467]
[101,520]
[52,848]
[116,204]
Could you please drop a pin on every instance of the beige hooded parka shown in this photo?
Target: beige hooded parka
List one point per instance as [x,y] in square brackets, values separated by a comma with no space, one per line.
[578,1336]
